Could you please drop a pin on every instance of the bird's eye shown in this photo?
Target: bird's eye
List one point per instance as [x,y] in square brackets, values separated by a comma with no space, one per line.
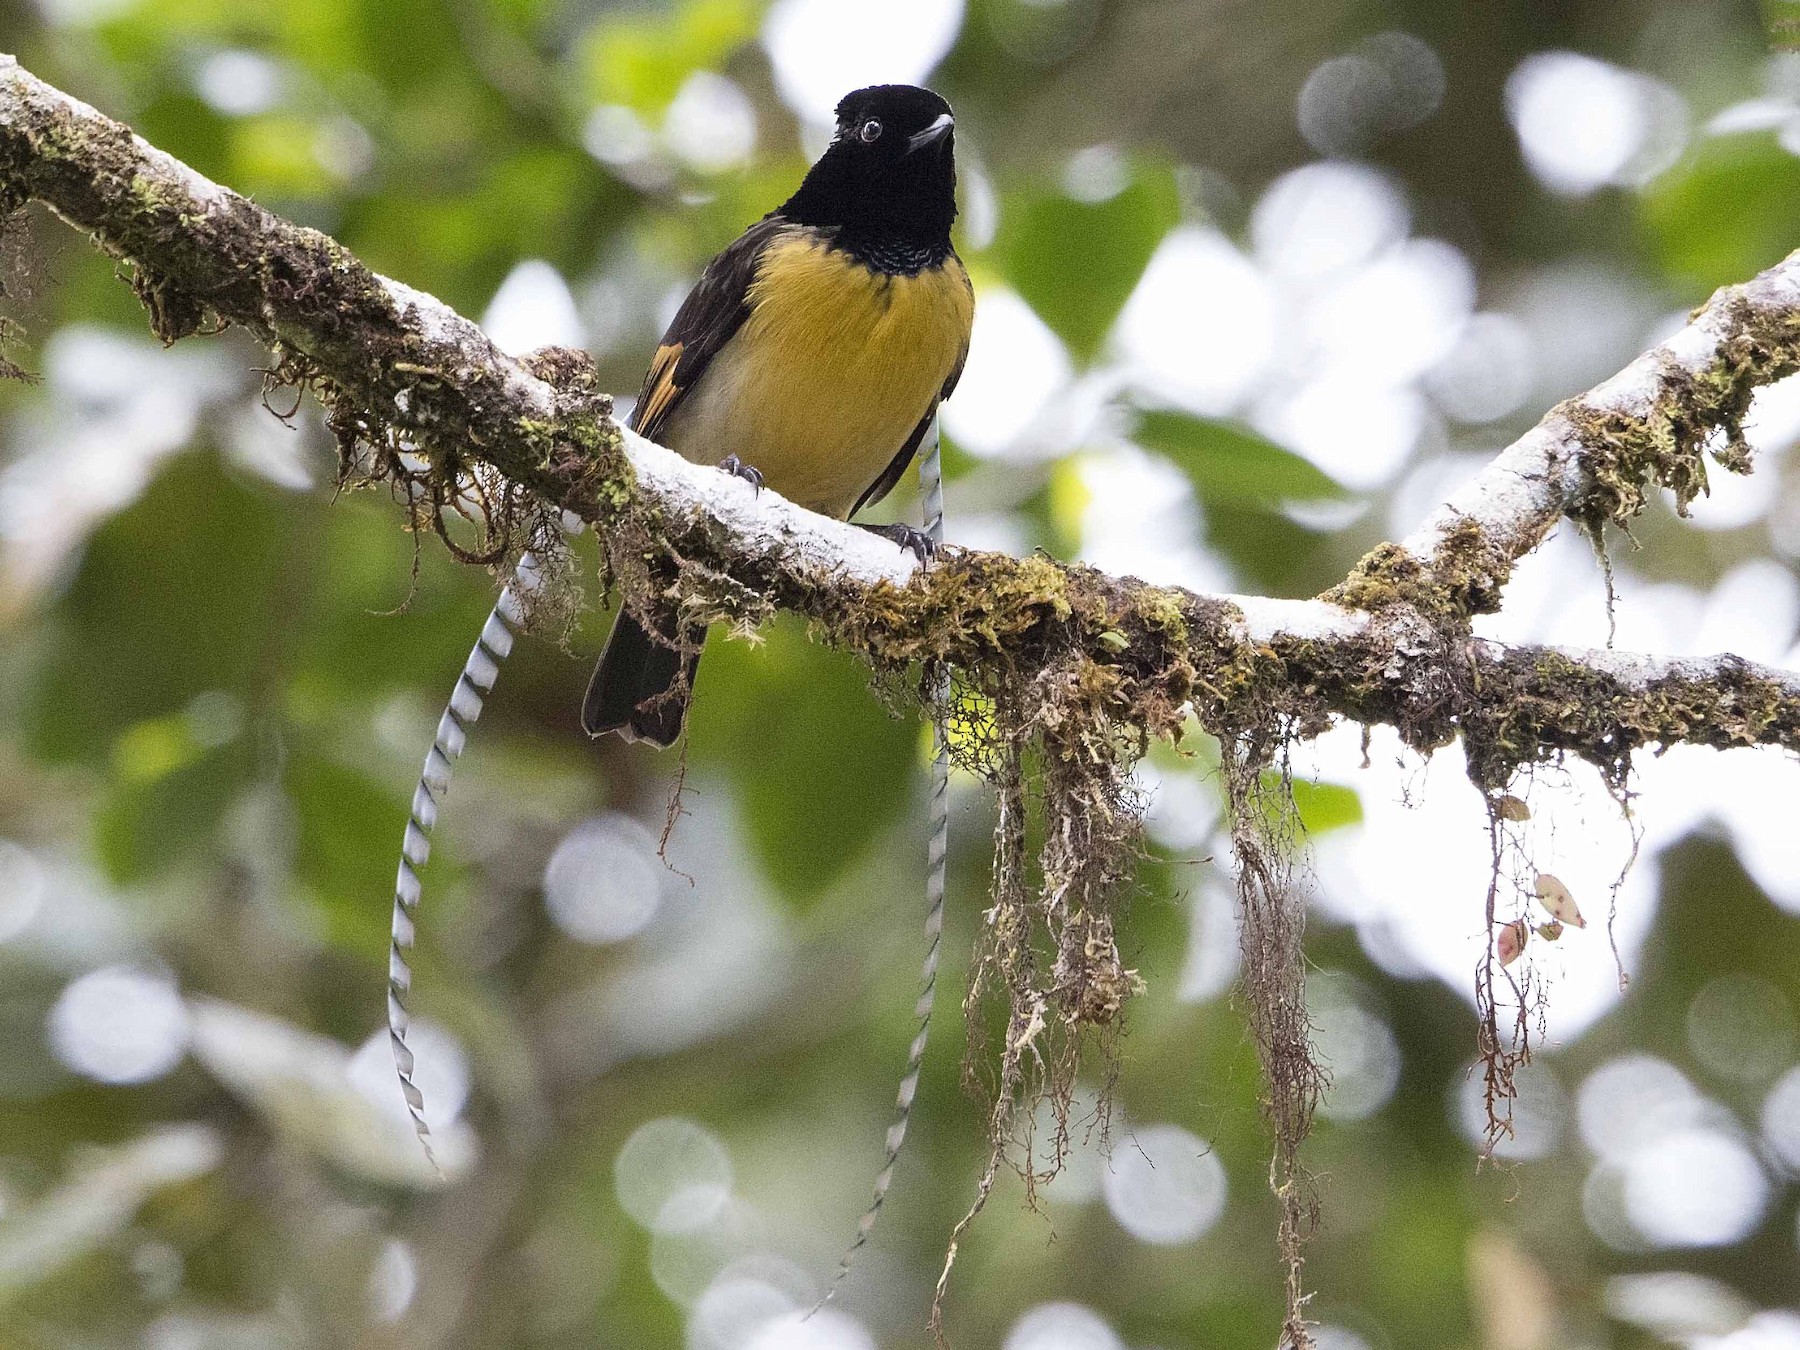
[870,130]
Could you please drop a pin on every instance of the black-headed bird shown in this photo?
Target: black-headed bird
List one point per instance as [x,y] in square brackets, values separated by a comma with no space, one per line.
[810,357]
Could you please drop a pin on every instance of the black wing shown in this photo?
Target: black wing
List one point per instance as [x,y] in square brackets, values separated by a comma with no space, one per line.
[712,312]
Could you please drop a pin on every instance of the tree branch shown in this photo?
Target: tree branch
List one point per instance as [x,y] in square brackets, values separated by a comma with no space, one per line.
[1391,644]
[1594,458]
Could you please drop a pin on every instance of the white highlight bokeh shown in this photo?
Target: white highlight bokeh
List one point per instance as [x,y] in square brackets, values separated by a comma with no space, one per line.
[1695,1188]
[684,1265]
[440,1071]
[1139,520]
[711,124]
[1200,328]
[1584,123]
[1676,1304]
[732,1310]
[1389,82]
[533,308]
[1539,1111]
[1488,373]
[1355,1044]
[826,1329]
[1775,1329]
[348,1109]
[1165,1185]
[119,1025]
[604,881]
[1213,956]
[239,83]
[1359,433]
[820,51]
[393,1281]
[673,1175]
[1392,319]
[764,1303]
[1632,1101]
[1414,875]
[1781,1120]
[1741,1027]
[1015,366]
[620,139]
[22,888]
[1324,218]
[117,406]
[1062,1326]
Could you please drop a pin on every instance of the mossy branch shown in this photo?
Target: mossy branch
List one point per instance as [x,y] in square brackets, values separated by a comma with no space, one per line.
[393,362]
[1596,459]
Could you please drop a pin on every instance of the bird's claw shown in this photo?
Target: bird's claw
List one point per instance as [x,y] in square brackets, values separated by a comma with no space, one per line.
[736,467]
[921,545]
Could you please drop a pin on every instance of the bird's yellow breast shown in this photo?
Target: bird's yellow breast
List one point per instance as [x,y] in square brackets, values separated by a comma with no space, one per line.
[834,367]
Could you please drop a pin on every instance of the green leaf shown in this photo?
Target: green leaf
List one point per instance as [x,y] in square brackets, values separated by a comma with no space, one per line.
[1269,553]
[146,824]
[1229,463]
[642,60]
[1322,807]
[184,591]
[347,833]
[1076,263]
[1729,214]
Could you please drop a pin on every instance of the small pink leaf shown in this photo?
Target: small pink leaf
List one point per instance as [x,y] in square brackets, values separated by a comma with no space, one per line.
[1555,897]
[1512,941]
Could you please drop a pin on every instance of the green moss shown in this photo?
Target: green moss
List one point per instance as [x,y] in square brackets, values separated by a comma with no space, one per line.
[1624,455]
[1464,579]
[1534,706]
[1162,611]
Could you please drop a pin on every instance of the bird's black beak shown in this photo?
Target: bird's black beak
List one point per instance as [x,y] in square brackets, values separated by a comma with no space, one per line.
[932,134]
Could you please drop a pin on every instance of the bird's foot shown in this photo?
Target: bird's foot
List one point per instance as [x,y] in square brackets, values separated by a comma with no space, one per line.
[736,467]
[905,536]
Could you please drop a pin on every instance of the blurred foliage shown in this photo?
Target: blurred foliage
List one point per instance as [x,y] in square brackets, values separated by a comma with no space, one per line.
[1703,246]
[643,59]
[1231,465]
[217,678]
[1076,262]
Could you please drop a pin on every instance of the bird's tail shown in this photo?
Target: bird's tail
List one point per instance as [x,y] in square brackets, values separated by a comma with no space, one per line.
[642,683]
[472,686]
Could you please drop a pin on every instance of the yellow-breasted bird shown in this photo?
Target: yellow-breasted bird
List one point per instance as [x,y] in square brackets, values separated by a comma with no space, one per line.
[811,356]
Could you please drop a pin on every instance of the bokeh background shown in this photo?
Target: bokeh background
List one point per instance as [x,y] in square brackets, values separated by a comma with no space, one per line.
[1257,284]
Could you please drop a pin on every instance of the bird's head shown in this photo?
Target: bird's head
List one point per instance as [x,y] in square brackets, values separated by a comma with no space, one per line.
[891,167]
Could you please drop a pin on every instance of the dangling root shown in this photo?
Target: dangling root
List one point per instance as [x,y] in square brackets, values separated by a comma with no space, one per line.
[1504,1050]
[935,1323]
[1048,949]
[1273,919]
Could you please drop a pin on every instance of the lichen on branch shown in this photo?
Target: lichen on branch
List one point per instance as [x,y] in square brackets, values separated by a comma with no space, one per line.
[1597,458]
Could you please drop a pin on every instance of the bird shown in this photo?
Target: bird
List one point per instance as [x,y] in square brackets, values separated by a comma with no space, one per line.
[809,358]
